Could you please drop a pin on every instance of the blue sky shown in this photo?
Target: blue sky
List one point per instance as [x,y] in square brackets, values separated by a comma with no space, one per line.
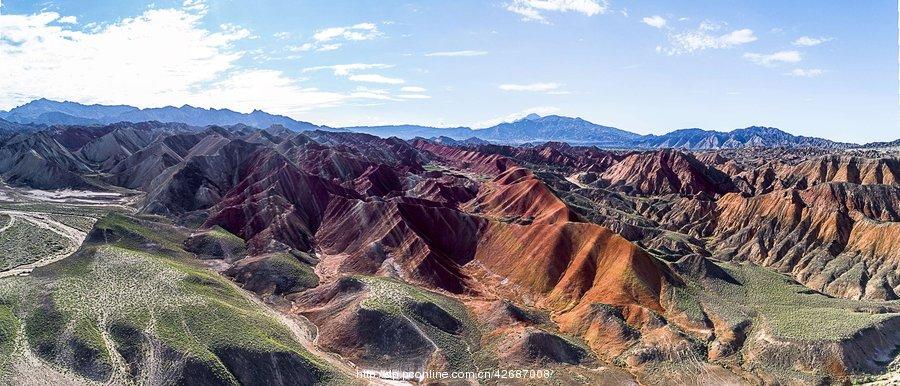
[822,68]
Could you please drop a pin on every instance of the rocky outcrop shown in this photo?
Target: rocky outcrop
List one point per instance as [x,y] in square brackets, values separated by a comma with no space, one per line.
[664,172]
[836,238]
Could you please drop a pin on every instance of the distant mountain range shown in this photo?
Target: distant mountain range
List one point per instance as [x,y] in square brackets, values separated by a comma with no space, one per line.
[754,136]
[48,112]
[895,144]
[532,129]
[576,131]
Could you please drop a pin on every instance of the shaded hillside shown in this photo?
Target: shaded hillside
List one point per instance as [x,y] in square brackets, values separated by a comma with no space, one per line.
[329,253]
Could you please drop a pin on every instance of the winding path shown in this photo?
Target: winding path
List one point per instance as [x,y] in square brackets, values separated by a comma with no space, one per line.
[308,338]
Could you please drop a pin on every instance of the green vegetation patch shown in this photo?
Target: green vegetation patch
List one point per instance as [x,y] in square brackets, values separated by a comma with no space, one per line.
[135,234]
[217,243]
[131,285]
[82,223]
[288,265]
[24,242]
[429,311]
[784,307]
[95,211]
[9,327]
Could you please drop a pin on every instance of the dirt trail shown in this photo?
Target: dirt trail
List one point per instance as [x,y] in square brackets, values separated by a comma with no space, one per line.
[307,338]
[574,180]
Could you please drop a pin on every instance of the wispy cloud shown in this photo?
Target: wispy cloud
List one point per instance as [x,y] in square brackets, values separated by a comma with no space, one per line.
[775,58]
[654,21]
[333,38]
[346,69]
[413,89]
[350,71]
[457,53]
[536,87]
[704,38]
[540,110]
[375,78]
[806,41]
[198,7]
[413,96]
[532,10]
[807,72]
[356,32]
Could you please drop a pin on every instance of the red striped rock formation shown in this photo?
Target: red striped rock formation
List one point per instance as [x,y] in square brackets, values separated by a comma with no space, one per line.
[664,172]
[465,159]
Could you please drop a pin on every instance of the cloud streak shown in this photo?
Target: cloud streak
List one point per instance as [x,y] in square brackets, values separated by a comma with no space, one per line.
[807,72]
[375,78]
[704,38]
[456,53]
[654,21]
[806,41]
[534,87]
[533,10]
[775,58]
[333,38]
[346,69]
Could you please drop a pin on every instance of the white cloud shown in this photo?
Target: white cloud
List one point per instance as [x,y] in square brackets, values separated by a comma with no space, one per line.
[711,25]
[457,53]
[413,89]
[346,69]
[413,96]
[530,10]
[332,38]
[654,21]
[775,58]
[361,31]
[375,78]
[329,47]
[806,41]
[539,87]
[807,72]
[281,35]
[540,110]
[702,39]
[198,7]
[269,90]
[349,71]
[314,47]
[371,93]
[301,48]
[160,57]
[68,20]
